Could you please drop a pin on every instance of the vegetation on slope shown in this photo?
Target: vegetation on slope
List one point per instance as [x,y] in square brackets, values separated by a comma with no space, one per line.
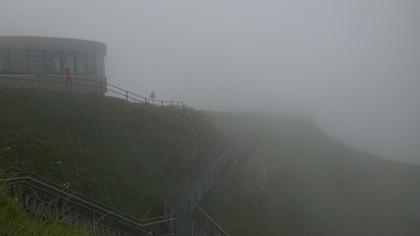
[14,222]
[126,155]
[295,180]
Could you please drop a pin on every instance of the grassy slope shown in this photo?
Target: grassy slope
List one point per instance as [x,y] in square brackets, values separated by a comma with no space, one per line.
[125,155]
[14,222]
[294,180]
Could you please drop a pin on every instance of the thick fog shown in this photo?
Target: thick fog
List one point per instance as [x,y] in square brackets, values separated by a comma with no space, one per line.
[353,65]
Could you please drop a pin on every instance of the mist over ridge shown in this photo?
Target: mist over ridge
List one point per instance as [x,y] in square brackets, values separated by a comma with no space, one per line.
[351,65]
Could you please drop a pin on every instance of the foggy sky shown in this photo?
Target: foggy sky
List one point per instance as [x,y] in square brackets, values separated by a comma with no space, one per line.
[353,65]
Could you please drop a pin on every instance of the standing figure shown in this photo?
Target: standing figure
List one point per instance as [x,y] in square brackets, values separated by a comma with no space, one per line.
[152,95]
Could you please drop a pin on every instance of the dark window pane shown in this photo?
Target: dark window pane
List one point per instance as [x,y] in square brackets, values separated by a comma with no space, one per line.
[57,64]
[68,59]
[100,65]
[18,61]
[91,64]
[35,53]
[81,63]
[54,62]
[50,62]
[4,61]
[35,60]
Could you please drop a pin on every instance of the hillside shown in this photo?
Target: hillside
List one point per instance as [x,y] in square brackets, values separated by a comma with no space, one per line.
[129,156]
[14,221]
[292,179]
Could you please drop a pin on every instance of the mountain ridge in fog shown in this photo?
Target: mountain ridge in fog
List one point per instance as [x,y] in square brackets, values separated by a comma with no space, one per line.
[293,179]
[352,65]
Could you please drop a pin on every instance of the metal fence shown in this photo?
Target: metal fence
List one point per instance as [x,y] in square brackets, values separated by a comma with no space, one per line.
[202,223]
[53,201]
[85,85]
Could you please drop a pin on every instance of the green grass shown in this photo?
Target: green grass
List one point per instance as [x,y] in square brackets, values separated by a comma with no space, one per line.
[292,179]
[126,155]
[14,222]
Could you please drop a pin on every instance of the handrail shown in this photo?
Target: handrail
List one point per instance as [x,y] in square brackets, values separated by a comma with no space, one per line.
[116,217]
[88,203]
[203,188]
[209,218]
[125,90]
[211,171]
[74,194]
[99,83]
[77,196]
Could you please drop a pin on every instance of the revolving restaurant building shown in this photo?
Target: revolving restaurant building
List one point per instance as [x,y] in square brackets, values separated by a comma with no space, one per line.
[27,61]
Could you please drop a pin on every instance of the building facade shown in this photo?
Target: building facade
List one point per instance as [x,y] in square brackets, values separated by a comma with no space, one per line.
[40,61]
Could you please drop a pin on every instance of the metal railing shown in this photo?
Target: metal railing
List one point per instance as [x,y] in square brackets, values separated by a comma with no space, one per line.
[202,223]
[53,201]
[86,84]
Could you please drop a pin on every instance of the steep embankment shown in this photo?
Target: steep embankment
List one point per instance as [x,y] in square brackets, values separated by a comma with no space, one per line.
[126,155]
[295,180]
[14,221]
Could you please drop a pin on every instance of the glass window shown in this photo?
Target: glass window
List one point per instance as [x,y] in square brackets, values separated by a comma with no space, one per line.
[36,61]
[35,53]
[54,62]
[4,61]
[81,63]
[57,64]
[91,64]
[68,59]
[100,70]
[18,61]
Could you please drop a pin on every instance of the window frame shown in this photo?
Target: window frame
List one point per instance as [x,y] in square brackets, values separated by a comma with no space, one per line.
[23,66]
[7,61]
[65,54]
[91,64]
[83,62]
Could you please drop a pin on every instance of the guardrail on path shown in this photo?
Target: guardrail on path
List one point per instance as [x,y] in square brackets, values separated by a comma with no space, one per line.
[53,201]
[85,85]
[202,223]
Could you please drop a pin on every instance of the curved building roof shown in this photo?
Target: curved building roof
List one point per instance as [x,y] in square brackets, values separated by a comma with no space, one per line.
[50,43]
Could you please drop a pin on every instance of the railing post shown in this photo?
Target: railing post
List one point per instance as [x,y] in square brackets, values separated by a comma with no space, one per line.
[189,208]
[204,224]
[145,100]
[126,96]
[104,87]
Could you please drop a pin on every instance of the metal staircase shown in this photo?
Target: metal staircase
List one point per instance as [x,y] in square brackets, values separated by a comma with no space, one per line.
[202,223]
[52,201]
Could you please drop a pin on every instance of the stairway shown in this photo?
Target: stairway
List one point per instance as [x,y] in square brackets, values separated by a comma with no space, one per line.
[49,200]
